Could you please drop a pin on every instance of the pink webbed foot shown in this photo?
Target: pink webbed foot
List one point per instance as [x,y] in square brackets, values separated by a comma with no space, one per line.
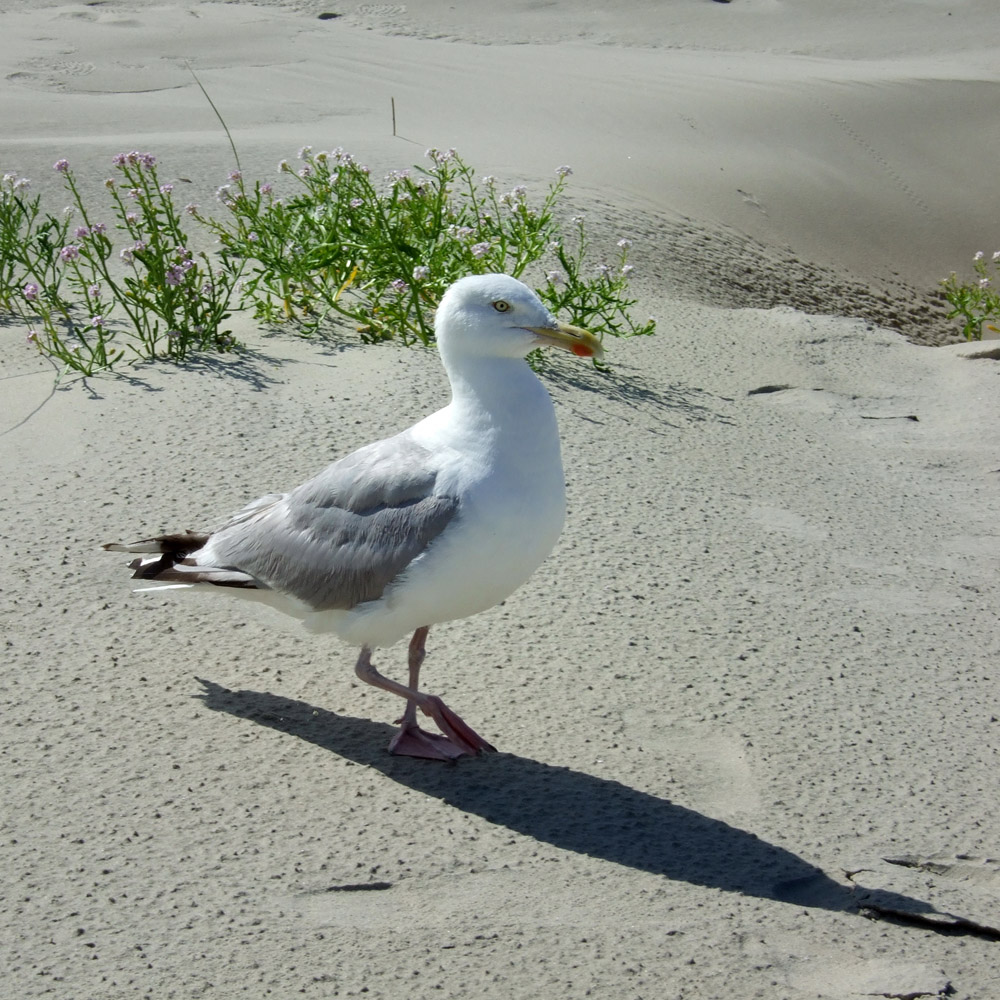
[456,738]
[412,741]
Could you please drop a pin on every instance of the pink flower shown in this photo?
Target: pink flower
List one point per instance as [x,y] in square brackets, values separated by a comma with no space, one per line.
[135,159]
[128,254]
[61,165]
[480,249]
[69,253]
[31,291]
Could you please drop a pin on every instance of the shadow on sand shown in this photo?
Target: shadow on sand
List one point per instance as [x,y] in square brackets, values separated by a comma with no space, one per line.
[569,809]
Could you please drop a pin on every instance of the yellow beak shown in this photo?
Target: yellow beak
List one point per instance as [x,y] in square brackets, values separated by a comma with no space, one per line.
[570,338]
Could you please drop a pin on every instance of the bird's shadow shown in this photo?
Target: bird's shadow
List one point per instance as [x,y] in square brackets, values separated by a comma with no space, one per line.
[569,809]
[671,404]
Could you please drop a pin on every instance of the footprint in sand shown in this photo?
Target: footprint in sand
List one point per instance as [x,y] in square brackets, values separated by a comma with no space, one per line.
[50,74]
[842,977]
[751,200]
[981,872]
[714,771]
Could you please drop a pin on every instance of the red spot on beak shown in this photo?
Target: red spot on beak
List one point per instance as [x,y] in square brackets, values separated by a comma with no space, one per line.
[582,351]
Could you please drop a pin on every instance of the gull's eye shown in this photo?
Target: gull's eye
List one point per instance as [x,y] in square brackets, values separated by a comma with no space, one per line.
[501,306]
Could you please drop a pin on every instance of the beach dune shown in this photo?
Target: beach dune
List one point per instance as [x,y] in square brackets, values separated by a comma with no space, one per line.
[751,697]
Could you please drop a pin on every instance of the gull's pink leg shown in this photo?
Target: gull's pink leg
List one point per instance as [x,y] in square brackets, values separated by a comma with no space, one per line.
[456,738]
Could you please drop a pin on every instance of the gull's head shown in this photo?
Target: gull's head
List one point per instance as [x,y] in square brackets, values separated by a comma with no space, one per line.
[494,315]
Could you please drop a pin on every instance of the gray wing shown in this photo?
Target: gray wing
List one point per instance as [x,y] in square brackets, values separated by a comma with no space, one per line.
[341,538]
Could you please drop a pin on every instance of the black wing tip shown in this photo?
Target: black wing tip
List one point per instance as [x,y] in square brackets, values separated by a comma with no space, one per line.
[179,543]
[170,550]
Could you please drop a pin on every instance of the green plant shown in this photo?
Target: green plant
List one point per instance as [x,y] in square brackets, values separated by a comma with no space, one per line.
[978,301]
[382,254]
[599,302]
[377,253]
[87,311]
[29,242]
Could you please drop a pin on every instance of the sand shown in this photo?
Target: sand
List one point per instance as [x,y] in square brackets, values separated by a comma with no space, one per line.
[751,699]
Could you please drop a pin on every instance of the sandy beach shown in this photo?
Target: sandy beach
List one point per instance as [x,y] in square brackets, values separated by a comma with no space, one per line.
[747,712]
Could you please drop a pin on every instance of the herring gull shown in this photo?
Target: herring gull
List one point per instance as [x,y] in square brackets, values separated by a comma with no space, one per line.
[438,522]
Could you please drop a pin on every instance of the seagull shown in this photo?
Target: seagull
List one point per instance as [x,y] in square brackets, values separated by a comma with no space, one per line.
[441,521]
